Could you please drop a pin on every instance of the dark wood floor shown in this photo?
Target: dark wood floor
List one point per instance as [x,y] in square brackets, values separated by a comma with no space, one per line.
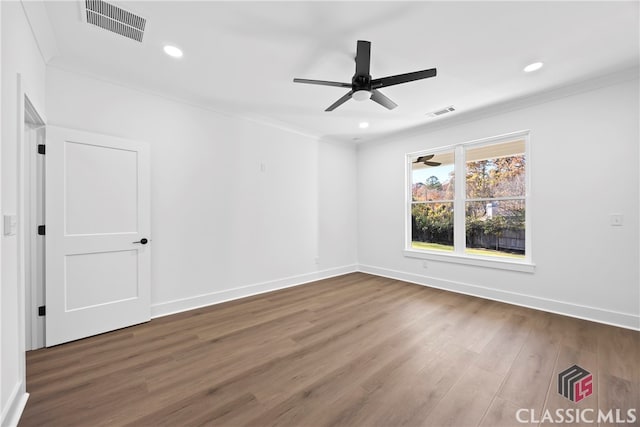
[356,350]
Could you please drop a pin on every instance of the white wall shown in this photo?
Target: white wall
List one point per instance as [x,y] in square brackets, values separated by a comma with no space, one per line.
[221,226]
[337,198]
[2,398]
[20,54]
[584,166]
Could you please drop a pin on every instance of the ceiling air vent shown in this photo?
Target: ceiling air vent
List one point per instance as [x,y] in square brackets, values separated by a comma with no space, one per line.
[442,111]
[115,19]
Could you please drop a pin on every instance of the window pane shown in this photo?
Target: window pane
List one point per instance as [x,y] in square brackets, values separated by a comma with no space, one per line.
[496,170]
[432,226]
[432,177]
[496,228]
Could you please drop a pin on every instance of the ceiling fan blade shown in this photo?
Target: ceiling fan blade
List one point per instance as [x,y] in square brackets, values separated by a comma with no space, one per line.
[402,78]
[377,96]
[340,101]
[432,163]
[322,82]
[363,58]
[422,159]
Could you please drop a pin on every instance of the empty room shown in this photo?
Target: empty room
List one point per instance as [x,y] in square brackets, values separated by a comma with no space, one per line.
[319,213]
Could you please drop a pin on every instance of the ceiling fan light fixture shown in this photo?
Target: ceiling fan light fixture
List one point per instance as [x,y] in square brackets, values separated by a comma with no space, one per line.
[361,95]
[363,125]
[533,67]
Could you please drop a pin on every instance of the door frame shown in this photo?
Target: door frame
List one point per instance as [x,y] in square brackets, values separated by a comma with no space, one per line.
[31,326]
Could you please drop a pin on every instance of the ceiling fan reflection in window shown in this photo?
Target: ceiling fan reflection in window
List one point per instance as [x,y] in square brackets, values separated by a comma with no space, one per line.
[363,87]
[426,160]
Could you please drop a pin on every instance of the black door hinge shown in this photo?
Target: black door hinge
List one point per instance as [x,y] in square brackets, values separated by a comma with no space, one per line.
[41,230]
[41,149]
[42,310]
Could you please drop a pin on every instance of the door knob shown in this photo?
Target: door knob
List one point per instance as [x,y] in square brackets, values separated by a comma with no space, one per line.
[142,241]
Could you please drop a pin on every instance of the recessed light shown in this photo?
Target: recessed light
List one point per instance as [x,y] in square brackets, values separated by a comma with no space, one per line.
[364,125]
[173,51]
[533,67]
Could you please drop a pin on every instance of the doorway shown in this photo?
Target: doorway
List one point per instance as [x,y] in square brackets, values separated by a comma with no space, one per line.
[31,214]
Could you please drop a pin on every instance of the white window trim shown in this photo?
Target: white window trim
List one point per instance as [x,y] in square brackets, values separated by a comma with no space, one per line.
[458,255]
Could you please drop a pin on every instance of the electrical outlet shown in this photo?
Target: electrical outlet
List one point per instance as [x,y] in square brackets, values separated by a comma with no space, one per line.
[616,220]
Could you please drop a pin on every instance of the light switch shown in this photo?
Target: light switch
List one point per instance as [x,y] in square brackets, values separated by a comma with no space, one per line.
[616,220]
[10,225]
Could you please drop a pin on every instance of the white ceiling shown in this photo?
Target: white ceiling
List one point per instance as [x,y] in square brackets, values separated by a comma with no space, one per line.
[241,57]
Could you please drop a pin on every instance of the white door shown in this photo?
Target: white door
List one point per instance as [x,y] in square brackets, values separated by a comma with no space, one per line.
[97,234]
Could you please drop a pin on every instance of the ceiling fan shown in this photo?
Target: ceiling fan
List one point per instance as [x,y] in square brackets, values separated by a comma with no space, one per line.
[425,160]
[363,87]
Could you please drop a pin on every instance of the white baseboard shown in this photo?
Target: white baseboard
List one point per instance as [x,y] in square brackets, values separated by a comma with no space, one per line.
[180,305]
[614,318]
[15,404]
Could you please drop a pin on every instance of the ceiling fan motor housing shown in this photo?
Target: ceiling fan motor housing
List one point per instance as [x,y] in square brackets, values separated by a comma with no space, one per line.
[361,83]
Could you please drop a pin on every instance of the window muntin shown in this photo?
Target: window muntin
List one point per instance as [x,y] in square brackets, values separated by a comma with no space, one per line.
[486,216]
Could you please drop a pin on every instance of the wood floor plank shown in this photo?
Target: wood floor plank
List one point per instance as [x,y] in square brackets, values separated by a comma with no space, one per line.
[617,395]
[425,390]
[619,352]
[354,350]
[527,382]
[333,386]
[501,351]
[408,386]
[502,413]
[479,387]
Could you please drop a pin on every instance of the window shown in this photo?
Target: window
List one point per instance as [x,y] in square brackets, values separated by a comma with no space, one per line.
[432,197]
[469,202]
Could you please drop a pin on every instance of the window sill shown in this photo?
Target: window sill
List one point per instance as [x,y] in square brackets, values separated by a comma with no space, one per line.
[513,265]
